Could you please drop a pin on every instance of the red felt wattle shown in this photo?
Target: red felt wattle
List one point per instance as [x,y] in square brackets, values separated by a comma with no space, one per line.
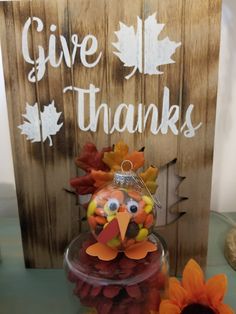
[109,232]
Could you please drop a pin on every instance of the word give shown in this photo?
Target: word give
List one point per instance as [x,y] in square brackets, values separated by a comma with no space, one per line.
[87,47]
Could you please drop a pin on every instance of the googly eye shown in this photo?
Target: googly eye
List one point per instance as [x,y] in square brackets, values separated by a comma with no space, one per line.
[132,207]
[113,204]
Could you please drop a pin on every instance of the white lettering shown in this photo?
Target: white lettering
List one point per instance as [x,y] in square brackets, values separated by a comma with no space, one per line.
[167,120]
[190,132]
[87,47]
[93,113]
[132,119]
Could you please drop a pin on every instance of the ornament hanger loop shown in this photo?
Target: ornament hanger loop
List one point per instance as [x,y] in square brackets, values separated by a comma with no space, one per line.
[126,168]
[138,179]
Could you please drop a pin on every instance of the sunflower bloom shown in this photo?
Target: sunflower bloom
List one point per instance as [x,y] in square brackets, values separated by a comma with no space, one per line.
[194,295]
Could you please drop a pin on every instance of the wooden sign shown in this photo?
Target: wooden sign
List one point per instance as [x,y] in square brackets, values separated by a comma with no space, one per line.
[144,71]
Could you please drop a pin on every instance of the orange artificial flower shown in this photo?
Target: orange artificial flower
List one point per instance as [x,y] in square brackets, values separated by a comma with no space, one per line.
[194,295]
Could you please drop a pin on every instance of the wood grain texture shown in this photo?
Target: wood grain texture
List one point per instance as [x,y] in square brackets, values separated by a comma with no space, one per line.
[27,157]
[49,216]
[121,90]
[58,162]
[168,182]
[166,145]
[194,159]
[89,17]
[169,13]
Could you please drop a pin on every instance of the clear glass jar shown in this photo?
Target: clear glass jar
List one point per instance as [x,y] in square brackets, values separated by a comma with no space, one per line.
[120,286]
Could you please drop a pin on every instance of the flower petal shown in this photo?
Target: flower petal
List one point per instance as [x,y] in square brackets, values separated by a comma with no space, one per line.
[166,307]
[225,309]
[193,280]
[216,288]
[178,294]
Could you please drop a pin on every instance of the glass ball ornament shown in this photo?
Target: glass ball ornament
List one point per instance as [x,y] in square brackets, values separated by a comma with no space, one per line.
[128,202]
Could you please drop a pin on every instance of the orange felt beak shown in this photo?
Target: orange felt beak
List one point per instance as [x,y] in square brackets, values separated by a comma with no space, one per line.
[123,219]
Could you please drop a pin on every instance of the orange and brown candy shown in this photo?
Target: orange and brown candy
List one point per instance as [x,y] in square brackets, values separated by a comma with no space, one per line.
[133,210]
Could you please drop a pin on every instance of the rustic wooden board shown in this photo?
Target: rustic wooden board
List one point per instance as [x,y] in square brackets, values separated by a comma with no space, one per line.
[49,216]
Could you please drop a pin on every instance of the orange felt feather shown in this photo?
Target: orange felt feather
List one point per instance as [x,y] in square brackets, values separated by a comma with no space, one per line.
[140,250]
[102,251]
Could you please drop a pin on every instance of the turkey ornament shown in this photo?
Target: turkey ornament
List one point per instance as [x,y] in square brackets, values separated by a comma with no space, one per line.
[121,216]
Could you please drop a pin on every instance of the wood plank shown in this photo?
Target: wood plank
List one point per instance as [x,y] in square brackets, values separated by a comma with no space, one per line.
[167,219]
[121,90]
[89,18]
[162,148]
[167,193]
[27,157]
[200,61]
[58,159]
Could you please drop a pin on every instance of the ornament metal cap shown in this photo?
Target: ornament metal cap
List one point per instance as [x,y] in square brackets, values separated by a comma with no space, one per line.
[126,176]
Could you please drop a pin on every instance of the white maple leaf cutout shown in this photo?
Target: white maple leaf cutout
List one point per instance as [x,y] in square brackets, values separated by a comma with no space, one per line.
[31,128]
[49,119]
[156,52]
[46,120]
